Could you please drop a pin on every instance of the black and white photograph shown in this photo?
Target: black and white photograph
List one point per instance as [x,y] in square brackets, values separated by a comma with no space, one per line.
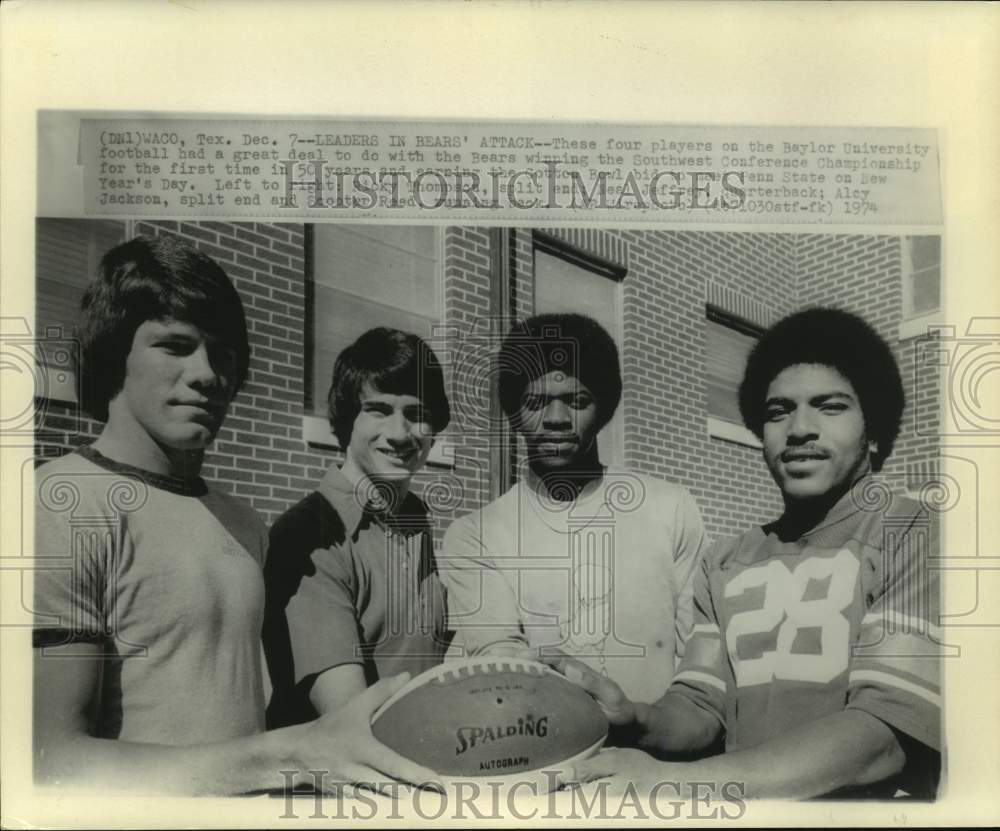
[515,446]
[446,468]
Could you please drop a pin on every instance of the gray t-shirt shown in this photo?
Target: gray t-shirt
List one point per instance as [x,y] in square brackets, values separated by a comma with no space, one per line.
[166,577]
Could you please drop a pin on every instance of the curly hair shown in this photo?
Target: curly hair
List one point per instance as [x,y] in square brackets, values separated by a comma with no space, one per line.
[573,343]
[151,278]
[393,362]
[837,339]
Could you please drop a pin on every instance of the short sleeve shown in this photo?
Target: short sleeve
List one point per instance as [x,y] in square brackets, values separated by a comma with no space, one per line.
[323,626]
[689,549]
[703,675]
[482,608]
[69,577]
[293,584]
[261,540]
[895,665]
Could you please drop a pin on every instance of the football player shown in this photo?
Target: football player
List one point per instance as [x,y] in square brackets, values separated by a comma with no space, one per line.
[815,646]
[353,594]
[578,557]
[148,588]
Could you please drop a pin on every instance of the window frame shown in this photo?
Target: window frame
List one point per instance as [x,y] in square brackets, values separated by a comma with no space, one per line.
[910,325]
[555,247]
[53,390]
[316,431]
[720,428]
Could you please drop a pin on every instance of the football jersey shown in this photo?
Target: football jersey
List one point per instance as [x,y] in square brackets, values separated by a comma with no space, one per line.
[845,616]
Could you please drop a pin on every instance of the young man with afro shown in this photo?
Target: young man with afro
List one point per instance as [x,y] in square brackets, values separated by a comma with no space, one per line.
[576,557]
[815,645]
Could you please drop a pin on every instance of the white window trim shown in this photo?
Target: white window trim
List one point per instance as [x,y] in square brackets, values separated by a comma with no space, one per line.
[55,384]
[316,432]
[728,431]
[316,429]
[616,438]
[720,428]
[917,326]
[912,327]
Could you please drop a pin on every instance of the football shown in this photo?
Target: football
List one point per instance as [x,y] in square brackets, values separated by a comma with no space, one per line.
[490,717]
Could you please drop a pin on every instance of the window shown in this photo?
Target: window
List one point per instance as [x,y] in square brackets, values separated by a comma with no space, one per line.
[728,341]
[921,269]
[363,276]
[67,253]
[568,283]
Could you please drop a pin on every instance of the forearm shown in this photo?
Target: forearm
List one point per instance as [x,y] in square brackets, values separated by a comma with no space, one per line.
[850,748]
[335,687]
[229,767]
[674,725]
[487,624]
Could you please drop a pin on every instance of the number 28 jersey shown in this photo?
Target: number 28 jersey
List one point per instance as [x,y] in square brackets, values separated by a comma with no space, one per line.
[843,617]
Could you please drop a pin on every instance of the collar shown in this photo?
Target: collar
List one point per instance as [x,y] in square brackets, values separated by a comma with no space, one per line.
[533,486]
[857,496]
[864,494]
[173,484]
[349,500]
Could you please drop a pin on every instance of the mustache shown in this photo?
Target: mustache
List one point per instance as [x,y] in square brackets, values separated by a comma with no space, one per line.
[806,452]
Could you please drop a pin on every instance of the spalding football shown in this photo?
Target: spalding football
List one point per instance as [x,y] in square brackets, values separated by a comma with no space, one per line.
[483,717]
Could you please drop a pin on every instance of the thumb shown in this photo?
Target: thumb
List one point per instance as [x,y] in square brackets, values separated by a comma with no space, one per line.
[566,777]
[380,692]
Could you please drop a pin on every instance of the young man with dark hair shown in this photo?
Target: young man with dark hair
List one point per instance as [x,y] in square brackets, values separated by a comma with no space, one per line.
[148,588]
[575,557]
[815,646]
[353,591]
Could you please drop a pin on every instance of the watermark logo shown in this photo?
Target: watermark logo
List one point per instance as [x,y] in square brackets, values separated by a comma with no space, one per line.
[36,372]
[972,380]
[552,186]
[547,795]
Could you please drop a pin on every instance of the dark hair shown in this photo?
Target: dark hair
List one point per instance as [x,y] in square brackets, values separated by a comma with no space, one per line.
[393,362]
[573,343]
[837,339]
[151,278]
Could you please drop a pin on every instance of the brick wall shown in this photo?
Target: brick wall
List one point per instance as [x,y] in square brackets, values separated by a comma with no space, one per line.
[470,344]
[862,274]
[260,453]
[664,364]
